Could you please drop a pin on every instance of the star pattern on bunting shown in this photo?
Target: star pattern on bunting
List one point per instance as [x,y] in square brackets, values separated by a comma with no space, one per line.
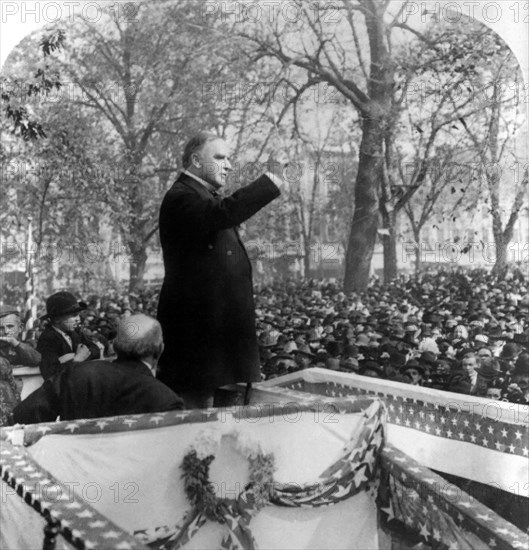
[441,420]
[418,501]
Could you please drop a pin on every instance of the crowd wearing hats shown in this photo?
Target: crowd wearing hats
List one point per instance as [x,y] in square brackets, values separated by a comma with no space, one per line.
[459,330]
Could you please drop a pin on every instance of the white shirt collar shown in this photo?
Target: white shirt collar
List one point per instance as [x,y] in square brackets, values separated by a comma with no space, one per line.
[207,185]
[148,366]
[64,335]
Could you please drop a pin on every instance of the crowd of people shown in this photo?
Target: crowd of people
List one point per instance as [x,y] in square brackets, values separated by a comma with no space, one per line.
[465,332]
[460,331]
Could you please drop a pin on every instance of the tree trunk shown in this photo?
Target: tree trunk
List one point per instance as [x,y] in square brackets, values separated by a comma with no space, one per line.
[418,258]
[306,260]
[389,243]
[364,227]
[501,241]
[137,266]
[500,265]
[501,236]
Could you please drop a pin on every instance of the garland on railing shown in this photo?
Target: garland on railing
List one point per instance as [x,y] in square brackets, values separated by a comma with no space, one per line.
[201,493]
[198,488]
[235,514]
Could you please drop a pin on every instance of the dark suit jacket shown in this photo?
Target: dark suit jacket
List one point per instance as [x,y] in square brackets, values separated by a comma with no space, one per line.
[52,345]
[97,388]
[24,354]
[206,305]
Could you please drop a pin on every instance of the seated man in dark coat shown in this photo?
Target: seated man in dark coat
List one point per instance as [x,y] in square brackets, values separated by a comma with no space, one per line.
[12,348]
[61,344]
[100,388]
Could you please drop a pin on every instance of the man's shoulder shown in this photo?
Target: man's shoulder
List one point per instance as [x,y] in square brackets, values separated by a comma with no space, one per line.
[183,190]
[112,366]
[136,371]
[185,184]
[87,369]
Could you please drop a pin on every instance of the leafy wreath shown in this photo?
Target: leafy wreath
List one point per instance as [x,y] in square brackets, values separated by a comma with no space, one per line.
[201,493]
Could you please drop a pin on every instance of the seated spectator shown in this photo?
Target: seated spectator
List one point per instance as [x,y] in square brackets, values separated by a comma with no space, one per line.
[518,390]
[488,373]
[372,369]
[321,359]
[333,348]
[12,348]
[480,342]
[469,364]
[303,359]
[415,371]
[349,364]
[60,344]
[439,377]
[483,354]
[494,392]
[9,393]
[428,361]
[459,382]
[460,335]
[100,388]
[508,356]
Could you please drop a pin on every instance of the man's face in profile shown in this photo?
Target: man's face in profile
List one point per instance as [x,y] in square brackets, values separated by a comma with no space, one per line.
[213,162]
[67,323]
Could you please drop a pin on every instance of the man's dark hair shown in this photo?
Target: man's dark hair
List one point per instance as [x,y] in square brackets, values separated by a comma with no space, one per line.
[195,144]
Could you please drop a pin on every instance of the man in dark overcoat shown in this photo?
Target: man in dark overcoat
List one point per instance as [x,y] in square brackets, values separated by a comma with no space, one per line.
[93,389]
[206,305]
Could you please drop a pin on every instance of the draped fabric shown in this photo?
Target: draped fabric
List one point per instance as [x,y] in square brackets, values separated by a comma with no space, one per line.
[117,482]
[415,501]
[480,439]
[129,479]
[345,478]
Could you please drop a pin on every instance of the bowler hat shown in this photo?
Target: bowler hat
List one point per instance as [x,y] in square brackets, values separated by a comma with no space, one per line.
[488,371]
[371,365]
[397,359]
[412,364]
[63,303]
[428,357]
[509,351]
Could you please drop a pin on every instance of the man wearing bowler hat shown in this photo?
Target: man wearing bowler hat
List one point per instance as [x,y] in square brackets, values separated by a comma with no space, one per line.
[60,343]
[415,371]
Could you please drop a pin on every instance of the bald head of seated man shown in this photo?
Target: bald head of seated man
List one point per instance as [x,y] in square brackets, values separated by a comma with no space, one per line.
[101,388]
